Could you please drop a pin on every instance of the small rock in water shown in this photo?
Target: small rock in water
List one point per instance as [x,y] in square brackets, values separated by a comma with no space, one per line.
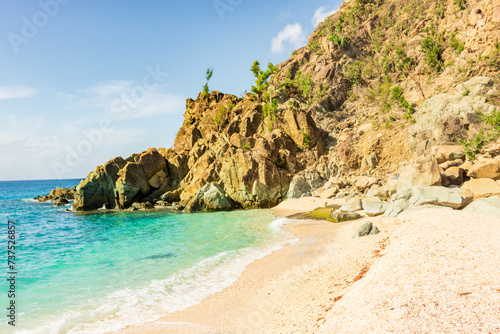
[60,202]
[366,229]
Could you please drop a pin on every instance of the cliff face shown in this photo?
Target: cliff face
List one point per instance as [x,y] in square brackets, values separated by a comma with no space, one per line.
[378,83]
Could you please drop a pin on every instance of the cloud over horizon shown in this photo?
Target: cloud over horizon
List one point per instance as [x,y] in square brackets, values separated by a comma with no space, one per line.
[16,92]
[292,35]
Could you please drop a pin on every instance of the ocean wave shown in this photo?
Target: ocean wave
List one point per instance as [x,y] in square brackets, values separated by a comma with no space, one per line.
[278,224]
[29,200]
[128,307]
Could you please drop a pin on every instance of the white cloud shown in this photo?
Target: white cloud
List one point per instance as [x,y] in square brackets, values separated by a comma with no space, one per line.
[320,15]
[292,34]
[15,92]
[114,97]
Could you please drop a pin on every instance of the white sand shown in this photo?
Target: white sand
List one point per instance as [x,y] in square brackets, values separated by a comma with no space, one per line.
[434,271]
[440,274]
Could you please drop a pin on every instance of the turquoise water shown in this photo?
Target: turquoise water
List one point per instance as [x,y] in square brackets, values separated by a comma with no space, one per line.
[93,273]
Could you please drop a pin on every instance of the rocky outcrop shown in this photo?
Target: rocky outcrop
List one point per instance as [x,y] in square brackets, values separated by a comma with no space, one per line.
[340,118]
[423,171]
[224,140]
[209,198]
[448,117]
[119,183]
[58,194]
[454,198]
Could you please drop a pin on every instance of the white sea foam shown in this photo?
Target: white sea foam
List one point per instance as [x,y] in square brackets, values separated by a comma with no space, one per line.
[278,224]
[136,306]
[29,200]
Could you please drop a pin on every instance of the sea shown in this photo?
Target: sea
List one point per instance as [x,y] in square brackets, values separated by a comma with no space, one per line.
[100,272]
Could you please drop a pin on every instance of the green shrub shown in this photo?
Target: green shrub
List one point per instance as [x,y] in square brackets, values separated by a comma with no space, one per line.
[492,119]
[455,44]
[206,90]
[220,112]
[315,47]
[433,47]
[474,146]
[353,72]
[246,147]
[262,77]
[339,40]
[495,58]
[306,141]
[397,95]
[460,4]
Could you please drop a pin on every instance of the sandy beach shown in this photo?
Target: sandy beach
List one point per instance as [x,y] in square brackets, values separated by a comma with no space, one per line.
[432,271]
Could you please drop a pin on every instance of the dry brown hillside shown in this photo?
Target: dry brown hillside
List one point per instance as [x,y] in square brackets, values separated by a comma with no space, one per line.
[379,82]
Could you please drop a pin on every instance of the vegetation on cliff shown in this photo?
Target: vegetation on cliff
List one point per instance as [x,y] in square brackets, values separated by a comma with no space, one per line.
[378,82]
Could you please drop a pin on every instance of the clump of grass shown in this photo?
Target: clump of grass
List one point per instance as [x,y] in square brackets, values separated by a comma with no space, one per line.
[455,44]
[220,113]
[473,147]
[397,95]
[460,4]
[315,47]
[433,47]
[306,141]
[246,147]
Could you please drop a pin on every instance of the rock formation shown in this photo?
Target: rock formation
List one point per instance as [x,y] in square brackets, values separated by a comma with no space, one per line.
[386,99]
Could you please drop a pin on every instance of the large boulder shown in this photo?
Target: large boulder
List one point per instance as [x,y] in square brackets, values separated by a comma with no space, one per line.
[304,183]
[209,198]
[485,168]
[485,206]
[374,206]
[365,182]
[455,175]
[351,205]
[300,127]
[445,153]
[131,185]
[96,191]
[422,171]
[455,198]
[482,187]
[152,162]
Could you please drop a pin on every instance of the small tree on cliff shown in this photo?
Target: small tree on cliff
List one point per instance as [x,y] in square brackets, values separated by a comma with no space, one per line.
[262,77]
[206,90]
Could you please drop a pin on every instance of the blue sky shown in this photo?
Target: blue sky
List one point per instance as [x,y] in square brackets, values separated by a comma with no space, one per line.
[84,81]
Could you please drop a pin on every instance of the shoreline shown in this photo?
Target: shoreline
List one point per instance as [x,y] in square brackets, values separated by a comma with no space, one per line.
[427,271]
[264,282]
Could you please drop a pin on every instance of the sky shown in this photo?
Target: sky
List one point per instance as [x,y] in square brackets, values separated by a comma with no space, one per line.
[82,82]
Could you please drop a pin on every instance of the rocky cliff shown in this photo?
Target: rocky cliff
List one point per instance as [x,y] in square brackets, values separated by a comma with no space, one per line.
[378,83]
